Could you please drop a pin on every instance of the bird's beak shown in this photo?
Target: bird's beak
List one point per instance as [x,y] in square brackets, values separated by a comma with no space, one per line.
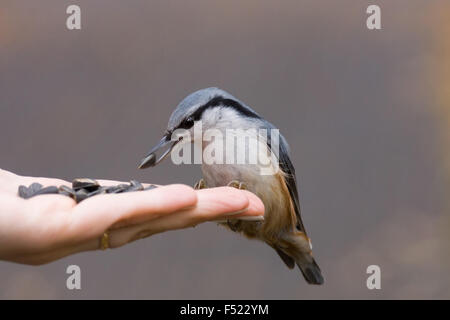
[151,159]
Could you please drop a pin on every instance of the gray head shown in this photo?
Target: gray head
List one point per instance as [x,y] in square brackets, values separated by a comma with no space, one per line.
[193,107]
[215,108]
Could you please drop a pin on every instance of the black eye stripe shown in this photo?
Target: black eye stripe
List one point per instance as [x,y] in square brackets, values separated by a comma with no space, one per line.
[187,123]
[216,102]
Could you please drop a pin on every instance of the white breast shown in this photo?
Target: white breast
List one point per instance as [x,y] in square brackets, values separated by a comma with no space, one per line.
[254,175]
[267,184]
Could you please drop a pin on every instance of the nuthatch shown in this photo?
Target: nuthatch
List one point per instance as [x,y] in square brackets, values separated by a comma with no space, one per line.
[282,228]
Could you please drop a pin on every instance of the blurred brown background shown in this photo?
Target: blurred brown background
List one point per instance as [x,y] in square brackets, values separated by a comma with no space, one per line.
[366,114]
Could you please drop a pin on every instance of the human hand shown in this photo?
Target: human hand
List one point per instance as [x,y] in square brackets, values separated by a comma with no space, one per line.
[48,227]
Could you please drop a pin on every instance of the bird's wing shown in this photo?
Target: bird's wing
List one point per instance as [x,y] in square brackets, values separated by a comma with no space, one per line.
[291,181]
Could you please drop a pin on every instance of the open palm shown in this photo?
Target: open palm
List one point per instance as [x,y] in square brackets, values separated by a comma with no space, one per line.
[48,227]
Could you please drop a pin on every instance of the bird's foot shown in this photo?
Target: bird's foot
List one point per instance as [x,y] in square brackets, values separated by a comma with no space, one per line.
[201,184]
[234,224]
[238,185]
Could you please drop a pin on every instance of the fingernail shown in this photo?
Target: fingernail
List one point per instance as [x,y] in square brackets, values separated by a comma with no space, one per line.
[236,212]
[251,218]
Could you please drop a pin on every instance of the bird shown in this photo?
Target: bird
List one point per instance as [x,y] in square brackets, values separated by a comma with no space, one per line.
[282,227]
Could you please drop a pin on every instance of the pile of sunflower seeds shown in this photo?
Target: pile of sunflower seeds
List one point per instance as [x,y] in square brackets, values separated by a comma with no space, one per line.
[81,189]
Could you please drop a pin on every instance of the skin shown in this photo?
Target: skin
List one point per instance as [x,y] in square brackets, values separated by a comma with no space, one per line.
[49,227]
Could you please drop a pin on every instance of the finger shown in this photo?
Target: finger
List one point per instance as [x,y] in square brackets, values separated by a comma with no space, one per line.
[86,222]
[95,215]
[212,204]
[255,207]
[215,202]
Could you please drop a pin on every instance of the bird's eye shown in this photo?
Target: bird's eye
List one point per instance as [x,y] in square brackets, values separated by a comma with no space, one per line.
[189,122]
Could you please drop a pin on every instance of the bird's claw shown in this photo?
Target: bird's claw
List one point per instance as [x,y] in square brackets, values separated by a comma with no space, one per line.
[200,185]
[238,185]
[233,224]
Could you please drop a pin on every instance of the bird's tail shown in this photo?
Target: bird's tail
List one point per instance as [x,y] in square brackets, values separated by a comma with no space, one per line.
[310,269]
[304,260]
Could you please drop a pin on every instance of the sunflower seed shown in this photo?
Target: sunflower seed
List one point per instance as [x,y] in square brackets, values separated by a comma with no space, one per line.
[122,188]
[134,188]
[46,190]
[67,191]
[24,192]
[111,189]
[117,189]
[34,187]
[101,190]
[136,185]
[80,195]
[82,189]
[85,183]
